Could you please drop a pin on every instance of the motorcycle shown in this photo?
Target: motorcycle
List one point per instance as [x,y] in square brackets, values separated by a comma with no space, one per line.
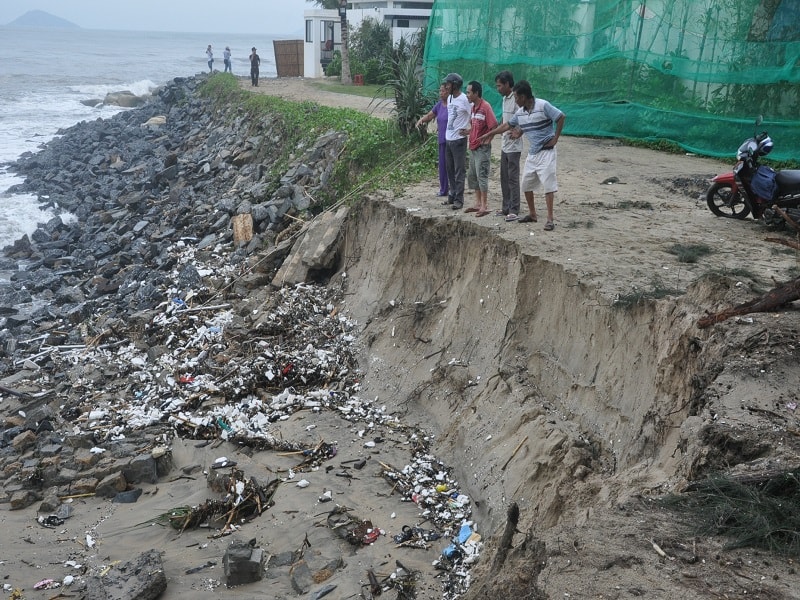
[751,188]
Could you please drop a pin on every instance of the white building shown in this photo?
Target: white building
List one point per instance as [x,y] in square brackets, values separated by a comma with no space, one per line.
[324,31]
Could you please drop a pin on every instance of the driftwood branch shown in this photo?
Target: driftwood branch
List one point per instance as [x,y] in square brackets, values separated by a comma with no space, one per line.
[772,300]
[786,217]
[794,244]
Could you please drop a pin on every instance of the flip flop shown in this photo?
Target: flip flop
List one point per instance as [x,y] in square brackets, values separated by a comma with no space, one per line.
[528,219]
[500,213]
[482,213]
[471,209]
[549,226]
[511,217]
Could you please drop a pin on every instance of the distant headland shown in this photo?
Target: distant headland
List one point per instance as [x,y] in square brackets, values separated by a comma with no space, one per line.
[40,19]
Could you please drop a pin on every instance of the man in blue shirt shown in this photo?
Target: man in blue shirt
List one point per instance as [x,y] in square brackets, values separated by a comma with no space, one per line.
[541,123]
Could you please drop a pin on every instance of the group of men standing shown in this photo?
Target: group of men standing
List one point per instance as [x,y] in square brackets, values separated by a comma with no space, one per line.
[471,124]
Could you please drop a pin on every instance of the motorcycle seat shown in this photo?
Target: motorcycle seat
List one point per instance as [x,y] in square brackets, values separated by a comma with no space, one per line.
[788,181]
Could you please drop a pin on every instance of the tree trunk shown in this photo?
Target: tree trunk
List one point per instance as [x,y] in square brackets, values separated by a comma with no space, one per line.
[346,79]
[772,300]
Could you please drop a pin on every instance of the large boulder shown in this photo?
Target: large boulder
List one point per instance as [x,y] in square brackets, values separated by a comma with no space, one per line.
[125,98]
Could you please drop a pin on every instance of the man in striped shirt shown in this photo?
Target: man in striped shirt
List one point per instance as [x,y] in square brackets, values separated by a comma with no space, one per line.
[541,123]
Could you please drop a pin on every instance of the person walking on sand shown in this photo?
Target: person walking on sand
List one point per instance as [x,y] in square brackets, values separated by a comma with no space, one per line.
[255,63]
[439,112]
[541,123]
[480,148]
[510,150]
[226,58]
[210,55]
[458,128]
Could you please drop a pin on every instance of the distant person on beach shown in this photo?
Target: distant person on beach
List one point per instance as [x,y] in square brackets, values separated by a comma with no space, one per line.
[541,123]
[255,62]
[458,128]
[439,112]
[480,148]
[210,55]
[510,150]
[226,58]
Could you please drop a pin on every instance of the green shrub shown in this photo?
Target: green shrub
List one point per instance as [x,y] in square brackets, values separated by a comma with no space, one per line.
[373,71]
[334,68]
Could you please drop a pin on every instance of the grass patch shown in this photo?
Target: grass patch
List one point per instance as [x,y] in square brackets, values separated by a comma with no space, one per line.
[782,251]
[764,514]
[579,224]
[629,204]
[689,253]
[656,291]
[366,91]
[376,154]
[660,145]
[739,273]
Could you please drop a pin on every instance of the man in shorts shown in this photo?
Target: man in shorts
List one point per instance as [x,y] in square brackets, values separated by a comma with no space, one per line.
[541,123]
[480,153]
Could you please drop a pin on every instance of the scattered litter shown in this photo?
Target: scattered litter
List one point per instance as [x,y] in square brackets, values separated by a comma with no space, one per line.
[46,584]
[245,500]
[222,462]
[51,521]
[354,530]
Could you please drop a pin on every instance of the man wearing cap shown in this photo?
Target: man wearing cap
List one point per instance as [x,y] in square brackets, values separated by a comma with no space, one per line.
[255,62]
[458,128]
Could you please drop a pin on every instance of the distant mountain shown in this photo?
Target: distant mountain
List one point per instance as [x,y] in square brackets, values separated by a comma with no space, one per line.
[40,19]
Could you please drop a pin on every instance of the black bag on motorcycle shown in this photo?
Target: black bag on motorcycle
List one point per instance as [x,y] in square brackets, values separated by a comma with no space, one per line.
[763,183]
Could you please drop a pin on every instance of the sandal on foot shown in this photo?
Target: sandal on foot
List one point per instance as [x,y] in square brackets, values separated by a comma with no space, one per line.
[500,213]
[471,209]
[482,213]
[528,219]
[549,226]
[511,217]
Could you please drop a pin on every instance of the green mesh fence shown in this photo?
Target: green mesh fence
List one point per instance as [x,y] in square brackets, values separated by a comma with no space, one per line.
[694,72]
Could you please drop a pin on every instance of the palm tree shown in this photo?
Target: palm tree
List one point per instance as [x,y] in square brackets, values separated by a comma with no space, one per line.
[341,6]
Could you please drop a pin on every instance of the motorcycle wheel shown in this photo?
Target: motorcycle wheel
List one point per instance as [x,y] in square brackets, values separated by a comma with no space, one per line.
[724,203]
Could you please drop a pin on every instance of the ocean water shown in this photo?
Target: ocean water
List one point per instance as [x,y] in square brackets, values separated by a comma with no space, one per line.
[45,74]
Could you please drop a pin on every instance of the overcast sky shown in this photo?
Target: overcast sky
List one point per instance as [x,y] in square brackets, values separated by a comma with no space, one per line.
[202,16]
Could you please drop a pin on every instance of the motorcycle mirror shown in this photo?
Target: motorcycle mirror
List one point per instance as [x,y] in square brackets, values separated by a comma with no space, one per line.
[759,120]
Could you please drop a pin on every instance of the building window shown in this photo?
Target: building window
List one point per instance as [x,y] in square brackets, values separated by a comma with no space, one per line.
[402,23]
[309,32]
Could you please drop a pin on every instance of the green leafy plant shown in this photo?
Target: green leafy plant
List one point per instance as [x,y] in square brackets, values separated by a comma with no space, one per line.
[334,68]
[410,103]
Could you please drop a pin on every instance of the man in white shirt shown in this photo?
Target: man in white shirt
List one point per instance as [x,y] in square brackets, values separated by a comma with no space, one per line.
[458,128]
